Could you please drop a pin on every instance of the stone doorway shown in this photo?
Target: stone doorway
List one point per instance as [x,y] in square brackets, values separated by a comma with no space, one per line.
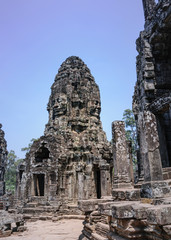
[164,129]
[97,177]
[39,182]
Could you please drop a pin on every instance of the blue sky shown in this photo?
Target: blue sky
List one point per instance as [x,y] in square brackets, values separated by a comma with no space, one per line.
[38,35]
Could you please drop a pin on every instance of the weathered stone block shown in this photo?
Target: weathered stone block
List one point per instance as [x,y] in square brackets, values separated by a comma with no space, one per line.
[129,194]
[159,215]
[167,229]
[156,189]
[140,210]
[122,210]
[90,205]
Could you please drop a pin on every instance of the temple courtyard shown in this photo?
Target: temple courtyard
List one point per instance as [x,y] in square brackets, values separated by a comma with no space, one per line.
[43,230]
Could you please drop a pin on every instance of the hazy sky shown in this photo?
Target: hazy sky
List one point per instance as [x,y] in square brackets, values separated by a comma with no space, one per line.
[38,35]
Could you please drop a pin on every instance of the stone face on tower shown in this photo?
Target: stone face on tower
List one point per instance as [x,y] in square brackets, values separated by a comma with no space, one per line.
[3,160]
[73,160]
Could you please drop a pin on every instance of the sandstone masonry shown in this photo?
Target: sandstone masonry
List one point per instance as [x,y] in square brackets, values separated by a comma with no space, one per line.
[73,160]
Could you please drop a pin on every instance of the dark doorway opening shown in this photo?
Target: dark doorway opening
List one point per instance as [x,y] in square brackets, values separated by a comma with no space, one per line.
[21,174]
[97,178]
[164,130]
[39,182]
[42,153]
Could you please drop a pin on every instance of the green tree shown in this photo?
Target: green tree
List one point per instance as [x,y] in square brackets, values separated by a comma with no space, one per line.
[27,149]
[131,133]
[10,173]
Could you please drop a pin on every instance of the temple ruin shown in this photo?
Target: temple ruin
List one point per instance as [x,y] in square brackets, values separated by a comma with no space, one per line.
[72,170]
[73,160]
[9,220]
[3,161]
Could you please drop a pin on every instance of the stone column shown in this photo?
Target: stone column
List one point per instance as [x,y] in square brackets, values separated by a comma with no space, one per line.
[153,186]
[150,148]
[80,185]
[105,180]
[129,147]
[122,174]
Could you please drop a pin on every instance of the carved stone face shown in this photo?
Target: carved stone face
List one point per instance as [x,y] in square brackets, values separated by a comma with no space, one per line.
[95,108]
[60,105]
[78,107]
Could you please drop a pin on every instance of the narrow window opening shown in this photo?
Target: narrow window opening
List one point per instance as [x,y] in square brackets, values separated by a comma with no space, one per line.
[52,178]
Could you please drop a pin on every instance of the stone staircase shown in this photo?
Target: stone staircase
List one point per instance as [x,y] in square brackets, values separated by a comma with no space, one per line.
[34,211]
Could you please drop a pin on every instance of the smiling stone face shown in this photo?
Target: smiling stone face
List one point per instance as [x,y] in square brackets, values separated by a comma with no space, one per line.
[60,105]
[95,108]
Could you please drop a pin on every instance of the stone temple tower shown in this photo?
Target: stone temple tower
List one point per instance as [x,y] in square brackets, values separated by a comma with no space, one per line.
[3,160]
[73,159]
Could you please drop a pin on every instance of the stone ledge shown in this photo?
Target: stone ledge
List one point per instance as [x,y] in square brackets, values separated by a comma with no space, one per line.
[123,210]
[126,194]
[90,205]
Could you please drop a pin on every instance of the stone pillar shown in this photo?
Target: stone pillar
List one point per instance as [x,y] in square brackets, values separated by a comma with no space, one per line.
[105,180]
[80,185]
[122,174]
[153,186]
[129,147]
[150,148]
[148,6]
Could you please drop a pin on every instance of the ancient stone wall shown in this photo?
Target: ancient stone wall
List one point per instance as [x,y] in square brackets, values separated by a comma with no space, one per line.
[3,160]
[73,160]
[152,97]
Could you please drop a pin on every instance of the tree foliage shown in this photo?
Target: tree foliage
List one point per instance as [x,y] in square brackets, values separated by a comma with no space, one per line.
[12,163]
[27,149]
[10,173]
[131,134]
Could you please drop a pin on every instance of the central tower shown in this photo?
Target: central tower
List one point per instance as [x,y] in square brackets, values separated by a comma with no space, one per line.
[73,159]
